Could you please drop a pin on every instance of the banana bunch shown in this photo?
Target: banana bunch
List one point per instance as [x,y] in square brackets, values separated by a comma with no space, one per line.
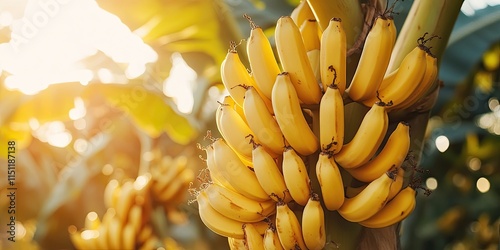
[285,114]
[125,225]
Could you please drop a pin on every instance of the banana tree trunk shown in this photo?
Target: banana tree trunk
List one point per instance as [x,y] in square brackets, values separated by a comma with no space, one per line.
[437,17]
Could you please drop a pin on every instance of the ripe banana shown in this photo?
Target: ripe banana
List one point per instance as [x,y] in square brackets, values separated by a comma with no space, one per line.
[135,219]
[394,211]
[129,237]
[368,202]
[330,181]
[313,57]
[398,183]
[391,156]
[241,177]
[374,60]
[262,123]
[290,118]
[367,139]
[217,222]
[296,176]
[301,13]
[236,206]
[179,183]
[269,175]
[262,60]
[293,57]
[234,74]
[331,120]
[253,239]
[427,82]
[332,60]
[235,131]
[115,235]
[409,75]
[111,193]
[288,228]
[310,34]
[313,224]
[216,175]
[236,244]
[125,201]
[271,239]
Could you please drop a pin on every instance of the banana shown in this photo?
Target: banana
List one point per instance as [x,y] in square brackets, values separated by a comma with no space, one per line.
[236,244]
[332,60]
[313,57]
[331,120]
[392,155]
[185,177]
[216,175]
[111,193]
[313,224]
[125,201]
[253,239]
[368,202]
[115,235]
[394,211]
[367,139]
[374,60]
[353,190]
[269,175]
[236,206]
[262,123]
[234,74]
[78,241]
[330,181]
[310,35]
[262,60]
[135,218]
[427,82]
[296,176]
[398,183]
[163,180]
[301,13]
[129,235]
[290,118]
[293,57]
[215,221]
[235,131]
[241,177]
[288,228]
[410,73]
[92,221]
[271,240]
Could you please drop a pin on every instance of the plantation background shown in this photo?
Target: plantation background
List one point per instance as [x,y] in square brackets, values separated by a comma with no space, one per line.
[98,90]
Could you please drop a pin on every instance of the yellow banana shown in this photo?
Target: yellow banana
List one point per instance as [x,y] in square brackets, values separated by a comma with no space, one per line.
[354,189]
[125,202]
[185,177]
[313,57]
[388,78]
[253,238]
[332,60]
[235,74]
[301,13]
[115,234]
[313,224]
[262,123]
[398,183]
[290,118]
[129,237]
[296,176]
[269,174]
[392,155]
[92,221]
[367,139]
[331,120]
[310,35]
[163,180]
[271,240]
[111,193]
[236,206]
[235,131]
[368,202]
[394,211]
[262,60]
[79,242]
[241,177]
[410,73]
[293,57]
[374,60]
[427,82]
[330,181]
[288,228]
[135,219]
[217,222]
[236,244]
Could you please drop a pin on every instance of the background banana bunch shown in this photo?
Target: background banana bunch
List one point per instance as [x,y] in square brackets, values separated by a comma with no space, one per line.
[288,115]
[126,223]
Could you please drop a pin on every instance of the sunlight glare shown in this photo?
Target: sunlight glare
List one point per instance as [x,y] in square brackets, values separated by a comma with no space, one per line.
[80,145]
[179,84]
[5,19]
[431,183]
[90,234]
[474,164]
[79,110]
[483,185]
[442,143]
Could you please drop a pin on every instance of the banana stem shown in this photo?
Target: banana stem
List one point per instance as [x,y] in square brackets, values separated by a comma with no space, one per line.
[436,17]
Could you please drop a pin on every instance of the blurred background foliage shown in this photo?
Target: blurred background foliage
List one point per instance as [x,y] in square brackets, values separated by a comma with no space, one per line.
[98,90]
